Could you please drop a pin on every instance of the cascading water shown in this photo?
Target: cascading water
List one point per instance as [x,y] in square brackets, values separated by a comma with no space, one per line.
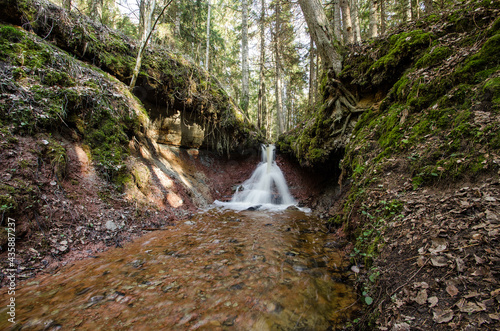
[265,189]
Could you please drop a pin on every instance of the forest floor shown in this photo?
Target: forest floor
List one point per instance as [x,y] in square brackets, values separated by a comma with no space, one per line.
[439,267]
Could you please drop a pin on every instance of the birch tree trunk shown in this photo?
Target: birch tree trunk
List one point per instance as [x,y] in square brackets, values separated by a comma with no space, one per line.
[320,31]
[245,89]
[207,50]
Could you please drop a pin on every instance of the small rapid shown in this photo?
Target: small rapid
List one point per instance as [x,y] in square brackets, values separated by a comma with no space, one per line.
[266,188]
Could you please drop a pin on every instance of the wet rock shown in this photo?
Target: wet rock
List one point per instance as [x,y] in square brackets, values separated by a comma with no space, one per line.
[254,207]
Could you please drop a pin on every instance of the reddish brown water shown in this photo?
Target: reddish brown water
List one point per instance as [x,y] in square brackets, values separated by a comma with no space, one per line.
[220,271]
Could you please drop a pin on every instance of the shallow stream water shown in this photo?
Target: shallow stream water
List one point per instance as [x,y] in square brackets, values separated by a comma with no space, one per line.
[221,270]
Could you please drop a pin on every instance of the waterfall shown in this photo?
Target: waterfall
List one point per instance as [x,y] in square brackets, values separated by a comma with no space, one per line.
[265,189]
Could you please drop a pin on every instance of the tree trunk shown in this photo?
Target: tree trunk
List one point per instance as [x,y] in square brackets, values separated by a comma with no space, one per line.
[355,21]
[373,18]
[408,15]
[207,50]
[429,6]
[144,42]
[278,82]
[346,19]
[142,19]
[337,23]
[245,89]
[178,13]
[312,74]
[383,18]
[96,10]
[321,33]
[261,106]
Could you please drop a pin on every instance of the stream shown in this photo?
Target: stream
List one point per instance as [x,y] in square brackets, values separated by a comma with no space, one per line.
[221,270]
[257,262]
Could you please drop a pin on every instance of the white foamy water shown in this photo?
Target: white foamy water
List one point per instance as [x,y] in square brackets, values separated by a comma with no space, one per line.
[265,189]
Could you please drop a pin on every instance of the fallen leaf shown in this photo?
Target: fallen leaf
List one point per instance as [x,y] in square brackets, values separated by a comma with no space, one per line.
[438,245]
[452,290]
[490,216]
[482,271]
[471,295]
[495,316]
[467,307]
[495,292]
[439,261]
[460,264]
[433,301]
[421,297]
[421,284]
[478,259]
[401,327]
[421,261]
[442,316]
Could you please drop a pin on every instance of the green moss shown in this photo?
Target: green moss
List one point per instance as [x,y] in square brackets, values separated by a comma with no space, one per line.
[57,157]
[106,137]
[10,34]
[7,202]
[434,56]
[403,47]
[389,130]
[482,64]
[54,77]
[491,90]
